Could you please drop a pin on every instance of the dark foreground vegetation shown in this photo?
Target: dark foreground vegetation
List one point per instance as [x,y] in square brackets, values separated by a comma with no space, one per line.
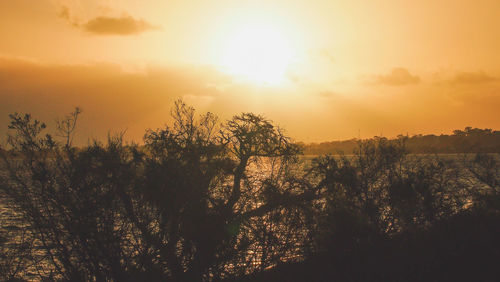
[209,201]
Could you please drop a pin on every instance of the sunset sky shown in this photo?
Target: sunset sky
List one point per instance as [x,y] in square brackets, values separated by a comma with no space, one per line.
[323,70]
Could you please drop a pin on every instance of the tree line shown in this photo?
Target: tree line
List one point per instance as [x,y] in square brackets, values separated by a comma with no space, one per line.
[469,140]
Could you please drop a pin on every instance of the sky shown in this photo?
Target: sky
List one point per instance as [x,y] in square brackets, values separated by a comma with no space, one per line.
[322,70]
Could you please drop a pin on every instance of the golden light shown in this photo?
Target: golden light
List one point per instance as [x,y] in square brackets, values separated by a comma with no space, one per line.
[258,52]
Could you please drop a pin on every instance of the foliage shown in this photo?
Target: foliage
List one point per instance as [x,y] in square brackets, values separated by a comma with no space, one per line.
[204,200]
[189,205]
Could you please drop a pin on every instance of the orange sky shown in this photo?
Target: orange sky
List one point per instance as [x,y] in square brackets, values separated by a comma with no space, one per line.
[323,70]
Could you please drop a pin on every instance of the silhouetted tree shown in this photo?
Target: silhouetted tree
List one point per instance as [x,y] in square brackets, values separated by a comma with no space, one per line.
[381,190]
[67,198]
[201,200]
[207,192]
[204,200]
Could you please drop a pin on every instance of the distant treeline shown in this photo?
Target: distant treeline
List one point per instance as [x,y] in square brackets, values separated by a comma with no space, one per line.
[469,140]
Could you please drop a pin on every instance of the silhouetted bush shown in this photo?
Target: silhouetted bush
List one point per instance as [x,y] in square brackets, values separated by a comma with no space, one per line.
[204,200]
[200,201]
[384,215]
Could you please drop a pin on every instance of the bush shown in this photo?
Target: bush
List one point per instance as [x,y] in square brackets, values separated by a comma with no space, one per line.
[200,200]
[204,200]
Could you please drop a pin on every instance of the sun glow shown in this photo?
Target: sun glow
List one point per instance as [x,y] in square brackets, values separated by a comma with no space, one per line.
[260,53]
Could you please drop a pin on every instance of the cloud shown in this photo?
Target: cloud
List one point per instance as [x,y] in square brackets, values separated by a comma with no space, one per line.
[112,99]
[472,78]
[397,77]
[64,13]
[108,25]
[124,25]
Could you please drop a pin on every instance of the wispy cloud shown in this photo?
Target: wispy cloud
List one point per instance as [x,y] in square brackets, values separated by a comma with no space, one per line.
[108,25]
[397,77]
[472,78]
[111,97]
[124,25]
[64,13]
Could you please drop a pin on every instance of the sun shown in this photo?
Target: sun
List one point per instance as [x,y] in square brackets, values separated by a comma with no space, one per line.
[258,52]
